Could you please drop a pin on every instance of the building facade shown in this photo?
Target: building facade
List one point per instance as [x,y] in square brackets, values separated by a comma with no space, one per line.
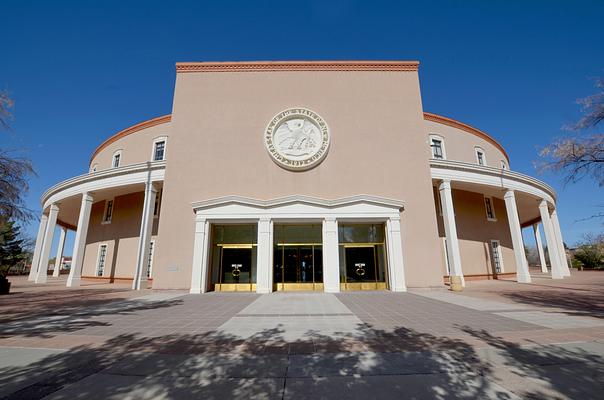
[324,176]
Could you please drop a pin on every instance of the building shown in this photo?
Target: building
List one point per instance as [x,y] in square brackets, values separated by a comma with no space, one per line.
[323,176]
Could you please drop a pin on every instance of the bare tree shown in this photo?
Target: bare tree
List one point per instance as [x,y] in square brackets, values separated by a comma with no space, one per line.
[6,103]
[14,174]
[582,154]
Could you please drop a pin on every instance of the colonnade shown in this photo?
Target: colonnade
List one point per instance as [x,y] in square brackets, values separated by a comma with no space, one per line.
[48,223]
[549,220]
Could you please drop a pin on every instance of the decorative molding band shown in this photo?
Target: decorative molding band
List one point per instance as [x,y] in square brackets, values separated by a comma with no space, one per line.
[262,66]
[134,128]
[465,127]
[146,167]
[282,201]
[501,176]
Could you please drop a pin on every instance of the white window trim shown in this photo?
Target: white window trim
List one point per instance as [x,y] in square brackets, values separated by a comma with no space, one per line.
[115,153]
[107,222]
[151,256]
[484,202]
[500,256]
[156,140]
[442,143]
[484,156]
[504,166]
[94,168]
[98,259]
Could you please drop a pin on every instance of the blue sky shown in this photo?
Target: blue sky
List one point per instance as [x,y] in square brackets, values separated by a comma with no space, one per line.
[80,71]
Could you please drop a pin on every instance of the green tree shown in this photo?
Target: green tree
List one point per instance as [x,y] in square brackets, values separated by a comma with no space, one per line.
[11,247]
[590,253]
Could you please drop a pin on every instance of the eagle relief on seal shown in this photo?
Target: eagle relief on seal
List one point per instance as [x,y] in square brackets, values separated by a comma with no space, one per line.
[297,138]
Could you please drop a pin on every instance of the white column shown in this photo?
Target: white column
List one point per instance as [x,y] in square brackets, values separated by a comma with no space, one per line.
[59,256]
[396,266]
[39,242]
[540,248]
[77,259]
[264,252]
[560,240]
[522,271]
[550,238]
[453,253]
[144,240]
[41,276]
[331,256]
[199,270]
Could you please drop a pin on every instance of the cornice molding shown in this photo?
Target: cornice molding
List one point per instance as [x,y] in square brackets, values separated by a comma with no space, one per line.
[298,199]
[262,66]
[465,127]
[99,175]
[500,174]
[130,130]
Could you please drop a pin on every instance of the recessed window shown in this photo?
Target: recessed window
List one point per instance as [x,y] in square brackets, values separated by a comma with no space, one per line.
[503,165]
[117,159]
[158,152]
[437,145]
[157,205]
[108,213]
[150,263]
[496,255]
[100,265]
[480,157]
[489,208]
[94,168]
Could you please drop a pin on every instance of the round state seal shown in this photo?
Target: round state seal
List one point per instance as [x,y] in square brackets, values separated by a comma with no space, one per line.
[297,139]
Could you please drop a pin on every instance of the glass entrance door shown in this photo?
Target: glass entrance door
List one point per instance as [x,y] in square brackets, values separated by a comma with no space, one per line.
[298,267]
[362,257]
[233,259]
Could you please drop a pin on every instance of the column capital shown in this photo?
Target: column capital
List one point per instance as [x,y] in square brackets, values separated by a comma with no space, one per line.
[509,194]
[87,196]
[445,184]
[54,207]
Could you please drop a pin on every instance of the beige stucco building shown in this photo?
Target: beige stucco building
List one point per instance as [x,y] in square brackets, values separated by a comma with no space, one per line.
[321,176]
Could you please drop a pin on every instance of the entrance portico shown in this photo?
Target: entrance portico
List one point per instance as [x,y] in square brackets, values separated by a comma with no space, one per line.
[296,241]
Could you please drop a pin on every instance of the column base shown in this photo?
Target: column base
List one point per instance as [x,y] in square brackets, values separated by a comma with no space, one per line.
[73,282]
[557,275]
[263,290]
[544,269]
[41,279]
[399,289]
[331,289]
[195,291]
[523,278]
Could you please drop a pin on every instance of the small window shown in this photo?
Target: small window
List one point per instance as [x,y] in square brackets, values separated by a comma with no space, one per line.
[150,262]
[117,159]
[94,168]
[480,157]
[100,266]
[503,166]
[438,147]
[490,210]
[496,254]
[108,214]
[157,205]
[158,153]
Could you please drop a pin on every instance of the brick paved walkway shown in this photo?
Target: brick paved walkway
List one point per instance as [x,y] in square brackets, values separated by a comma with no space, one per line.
[495,340]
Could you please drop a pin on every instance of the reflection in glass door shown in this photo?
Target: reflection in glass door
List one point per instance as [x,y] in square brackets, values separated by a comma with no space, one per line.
[362,257]
[233,262]
[298,257]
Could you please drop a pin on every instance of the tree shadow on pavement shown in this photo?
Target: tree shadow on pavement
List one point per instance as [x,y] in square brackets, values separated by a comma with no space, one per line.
[573,370]
[75,317]
[569,302]
[365,364]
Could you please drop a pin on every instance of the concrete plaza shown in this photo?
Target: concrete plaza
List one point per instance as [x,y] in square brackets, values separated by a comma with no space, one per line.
[497,339]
